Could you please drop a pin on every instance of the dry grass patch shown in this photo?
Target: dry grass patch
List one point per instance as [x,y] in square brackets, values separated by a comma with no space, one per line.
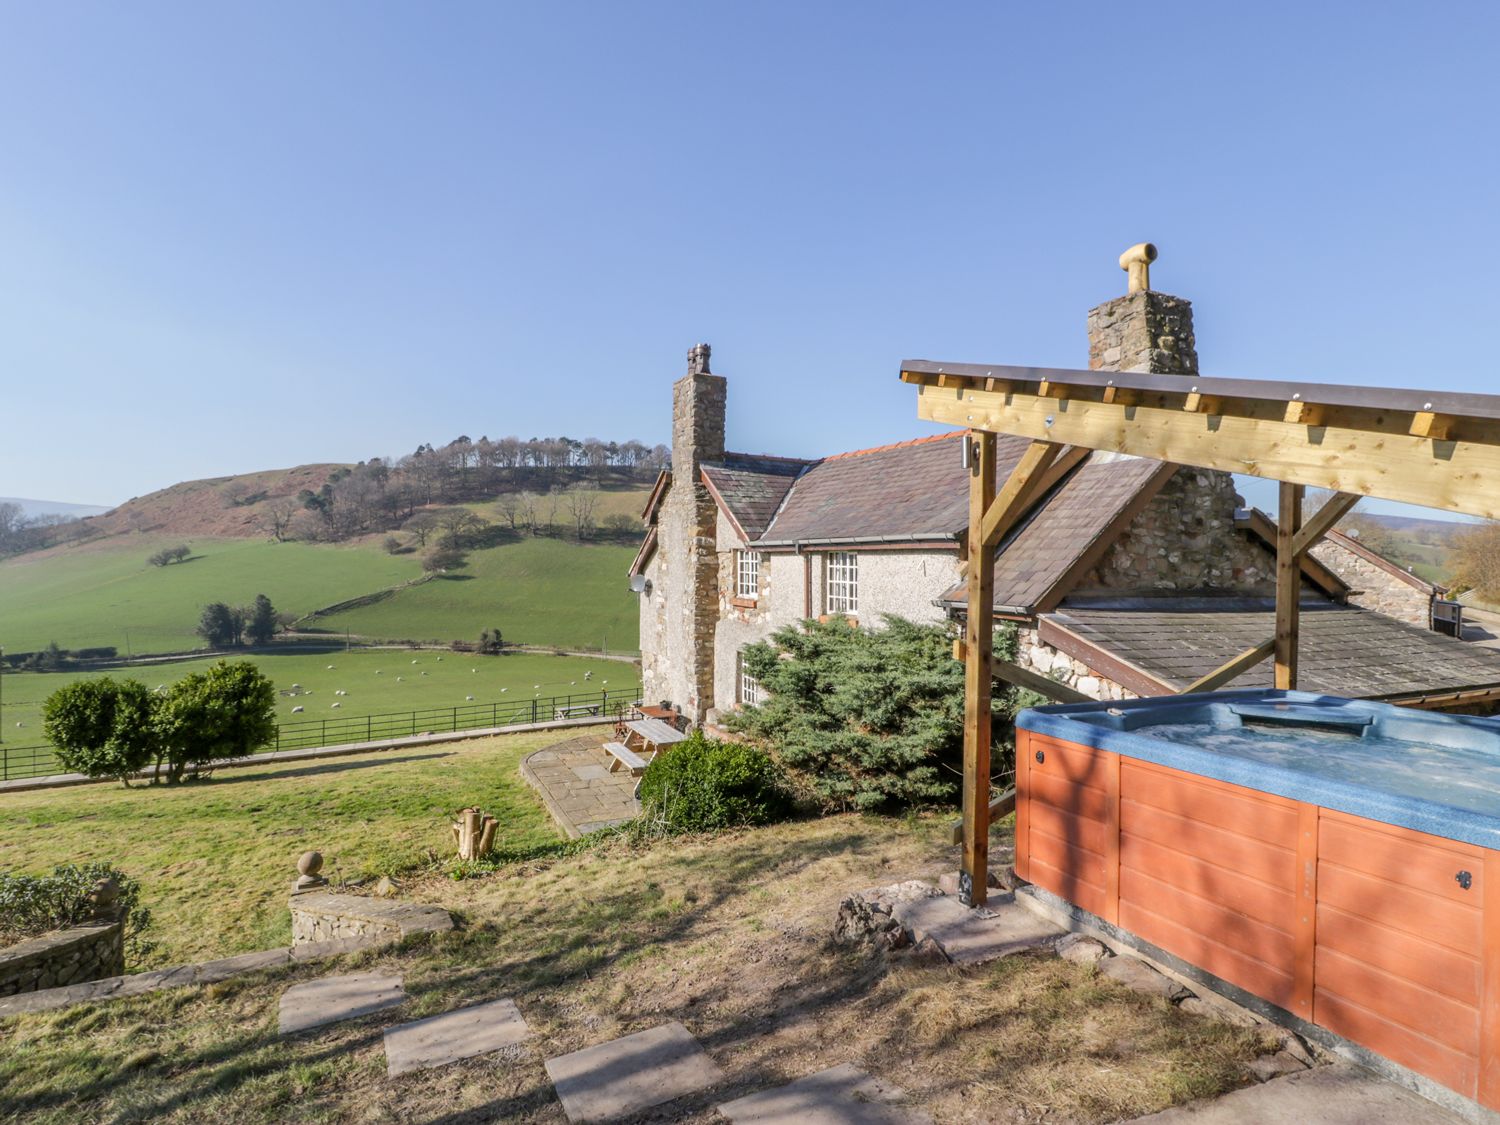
[729,935]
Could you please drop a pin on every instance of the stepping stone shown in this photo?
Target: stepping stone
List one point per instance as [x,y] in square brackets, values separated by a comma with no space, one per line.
[1329,1095]
[331,999]
[460,1034]
[840,1095]
[625,1076]
[969,937]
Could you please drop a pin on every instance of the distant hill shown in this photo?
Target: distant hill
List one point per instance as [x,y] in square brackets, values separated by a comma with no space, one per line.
[33,508]
[1423,546]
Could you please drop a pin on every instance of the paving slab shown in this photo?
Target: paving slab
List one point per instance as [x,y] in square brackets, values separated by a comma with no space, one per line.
[1328,1095]
[331,999]
[460,1034]
[625,1076]
[972,937]
[840,1095]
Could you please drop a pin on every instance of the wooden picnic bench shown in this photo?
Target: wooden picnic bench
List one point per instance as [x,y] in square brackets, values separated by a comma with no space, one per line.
[622,756]
[575,711]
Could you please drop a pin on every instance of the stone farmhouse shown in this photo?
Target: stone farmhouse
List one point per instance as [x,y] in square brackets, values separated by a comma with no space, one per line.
[1129,576]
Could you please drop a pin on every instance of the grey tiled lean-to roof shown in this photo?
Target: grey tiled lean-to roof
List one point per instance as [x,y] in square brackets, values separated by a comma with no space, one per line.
[1343,650]
[752,487]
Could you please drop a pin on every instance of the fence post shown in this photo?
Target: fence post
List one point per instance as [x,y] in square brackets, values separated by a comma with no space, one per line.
[369,728]
[454,727]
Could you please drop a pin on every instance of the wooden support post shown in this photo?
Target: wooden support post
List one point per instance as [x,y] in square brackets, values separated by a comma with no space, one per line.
[1288,584]
[979,642]
[1321,522]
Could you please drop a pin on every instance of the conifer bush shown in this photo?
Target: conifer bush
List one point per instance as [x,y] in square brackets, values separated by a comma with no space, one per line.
[869,719]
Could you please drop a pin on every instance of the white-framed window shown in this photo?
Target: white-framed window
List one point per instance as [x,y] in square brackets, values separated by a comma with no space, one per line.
[747,574]
[751,693]
[843,582]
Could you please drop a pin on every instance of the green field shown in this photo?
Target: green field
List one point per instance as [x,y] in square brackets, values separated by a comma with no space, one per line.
[108,595]
[545,591]
[377,682]
[535,591]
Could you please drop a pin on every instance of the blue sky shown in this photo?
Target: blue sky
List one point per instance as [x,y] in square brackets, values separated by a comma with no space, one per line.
[242,236]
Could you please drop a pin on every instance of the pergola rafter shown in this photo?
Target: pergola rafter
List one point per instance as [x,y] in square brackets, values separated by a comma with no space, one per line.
[1433,449]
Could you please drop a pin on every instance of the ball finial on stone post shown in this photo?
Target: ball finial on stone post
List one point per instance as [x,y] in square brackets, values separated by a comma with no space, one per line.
[1137,263]
[698,359]
[308,866]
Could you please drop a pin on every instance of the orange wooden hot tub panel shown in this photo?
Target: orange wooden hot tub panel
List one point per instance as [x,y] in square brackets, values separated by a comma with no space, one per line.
[1358,926]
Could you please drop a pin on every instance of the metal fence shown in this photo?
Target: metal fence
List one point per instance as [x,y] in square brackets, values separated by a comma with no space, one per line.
[38,761]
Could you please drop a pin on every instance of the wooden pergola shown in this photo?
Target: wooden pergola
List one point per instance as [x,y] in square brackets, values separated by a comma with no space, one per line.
[1429,448]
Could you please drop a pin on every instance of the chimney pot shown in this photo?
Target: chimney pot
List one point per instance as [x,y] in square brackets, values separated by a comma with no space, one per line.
[698,359]
[1137,263]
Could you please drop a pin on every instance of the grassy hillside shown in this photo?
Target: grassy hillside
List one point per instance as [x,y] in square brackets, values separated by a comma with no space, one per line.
[375,682]
[728,934]
[214,857]
[93,595]
[535,591]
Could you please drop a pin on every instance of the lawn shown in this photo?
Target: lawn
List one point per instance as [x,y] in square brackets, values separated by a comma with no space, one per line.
[107,594]
[728,935]
[375,683]
[216,857]
[535,591]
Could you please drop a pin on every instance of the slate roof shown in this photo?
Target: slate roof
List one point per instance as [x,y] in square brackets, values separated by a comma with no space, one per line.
[752,487]
[1080,517]
[1344,650]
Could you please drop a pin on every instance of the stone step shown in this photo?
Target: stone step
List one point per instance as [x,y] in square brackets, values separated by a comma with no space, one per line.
[331,999]
[972,937]
[625,1076]
[459,1034]
[840,1095]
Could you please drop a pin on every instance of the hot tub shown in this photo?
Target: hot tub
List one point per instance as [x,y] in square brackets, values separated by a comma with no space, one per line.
[1335,859]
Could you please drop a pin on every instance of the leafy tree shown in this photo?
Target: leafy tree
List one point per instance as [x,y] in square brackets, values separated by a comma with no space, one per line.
[101,727]
[441,559]
[491,643]
[260,622]
[221,625]
[227,711]
[869,719]
[1476,559]
[171,555]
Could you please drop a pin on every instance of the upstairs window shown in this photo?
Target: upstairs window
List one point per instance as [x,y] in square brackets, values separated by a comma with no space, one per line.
[747,580]
[843,582]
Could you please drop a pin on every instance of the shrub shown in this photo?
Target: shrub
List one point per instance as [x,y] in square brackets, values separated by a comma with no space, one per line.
[491,642]
[871,719]
[170,555]
[228,711]
[442,559]
[700,785]
[101,727]
[36,904]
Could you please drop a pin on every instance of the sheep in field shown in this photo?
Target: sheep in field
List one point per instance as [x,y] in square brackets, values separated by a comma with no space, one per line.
[338,704]
[297,710]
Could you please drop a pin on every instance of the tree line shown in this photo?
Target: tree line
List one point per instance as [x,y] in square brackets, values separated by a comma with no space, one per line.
[225,626]
[535,479]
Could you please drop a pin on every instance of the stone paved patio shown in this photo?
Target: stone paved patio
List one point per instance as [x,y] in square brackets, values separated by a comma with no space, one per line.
[575,784]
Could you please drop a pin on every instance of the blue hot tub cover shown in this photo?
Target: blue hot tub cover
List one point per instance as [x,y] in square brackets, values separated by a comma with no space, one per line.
[1433,773]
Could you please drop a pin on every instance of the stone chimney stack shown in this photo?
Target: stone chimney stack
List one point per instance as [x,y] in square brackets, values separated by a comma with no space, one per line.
[680,670]
[1143,330]
[698,400]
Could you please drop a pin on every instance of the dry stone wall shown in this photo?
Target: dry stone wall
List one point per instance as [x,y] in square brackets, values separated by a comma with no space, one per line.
[322,916]
[71,956]
[1376,587]
[1048,661]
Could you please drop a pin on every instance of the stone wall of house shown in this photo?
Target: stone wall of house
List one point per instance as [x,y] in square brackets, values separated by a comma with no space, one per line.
[1185,539]
[1375,587]
[677,636]
[1043,658]
[71,956]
